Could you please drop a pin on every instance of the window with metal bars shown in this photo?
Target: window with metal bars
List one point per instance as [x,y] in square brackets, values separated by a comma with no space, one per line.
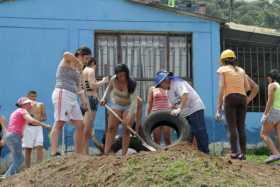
[257,60]
[145,54]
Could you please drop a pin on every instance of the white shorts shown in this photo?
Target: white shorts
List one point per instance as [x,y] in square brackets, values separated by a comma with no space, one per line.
[66,106]
[32,137]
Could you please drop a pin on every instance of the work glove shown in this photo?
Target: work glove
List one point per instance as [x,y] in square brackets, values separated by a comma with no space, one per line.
[218,116]
[264,118]
[175,112]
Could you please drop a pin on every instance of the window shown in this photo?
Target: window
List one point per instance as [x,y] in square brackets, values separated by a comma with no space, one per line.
[257,60]
[145,54]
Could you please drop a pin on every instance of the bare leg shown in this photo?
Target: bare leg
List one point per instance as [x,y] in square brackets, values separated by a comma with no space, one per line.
[194,143]
[157,135]
[88,120]
[167,135]
[278,133]
[58,125]
[266,129]
[78,136]
[111,131]
[40,153]
[27,156]
[128,120]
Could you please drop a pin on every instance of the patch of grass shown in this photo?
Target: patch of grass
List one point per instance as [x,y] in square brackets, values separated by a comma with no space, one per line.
[258,155]
[175,170]
[256,158]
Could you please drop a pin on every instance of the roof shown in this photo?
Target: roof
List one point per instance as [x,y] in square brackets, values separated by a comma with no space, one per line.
[178,11]
[253,29]
[251,34]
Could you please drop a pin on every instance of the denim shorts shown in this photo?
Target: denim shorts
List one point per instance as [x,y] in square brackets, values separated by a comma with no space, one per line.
[120,107]
[93,102]
[274,116]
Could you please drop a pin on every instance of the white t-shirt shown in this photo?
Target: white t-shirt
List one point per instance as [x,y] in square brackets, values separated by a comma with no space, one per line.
[180,87]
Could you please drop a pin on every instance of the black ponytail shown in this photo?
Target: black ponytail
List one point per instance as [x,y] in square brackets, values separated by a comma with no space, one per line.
[131,85]
[232,62]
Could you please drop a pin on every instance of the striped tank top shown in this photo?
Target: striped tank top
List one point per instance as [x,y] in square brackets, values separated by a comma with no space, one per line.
[67,78]
[160,100]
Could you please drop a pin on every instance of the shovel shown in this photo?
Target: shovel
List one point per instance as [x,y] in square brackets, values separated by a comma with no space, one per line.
[130,129]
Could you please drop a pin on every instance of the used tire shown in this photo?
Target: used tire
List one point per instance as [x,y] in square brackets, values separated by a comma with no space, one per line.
[164,118]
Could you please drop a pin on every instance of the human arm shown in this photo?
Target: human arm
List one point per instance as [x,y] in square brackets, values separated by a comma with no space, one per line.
[221,93]
[220,101]
[107,93]
[180,89]
[70,58]
[150,100]
[133,103]
[93,82]
[3,122]
[254,89]
[34,121]
[43,115]
[271,89]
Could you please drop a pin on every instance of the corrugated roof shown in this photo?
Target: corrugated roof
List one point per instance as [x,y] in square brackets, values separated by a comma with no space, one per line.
[253,29]
[178,11]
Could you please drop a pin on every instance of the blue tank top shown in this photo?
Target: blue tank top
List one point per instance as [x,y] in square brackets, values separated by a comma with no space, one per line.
[67,78]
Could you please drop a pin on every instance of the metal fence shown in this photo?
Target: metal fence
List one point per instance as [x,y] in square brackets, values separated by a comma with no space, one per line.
[145,54]
[257,60]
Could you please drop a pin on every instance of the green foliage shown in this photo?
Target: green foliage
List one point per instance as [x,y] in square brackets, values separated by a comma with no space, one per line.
[264,13]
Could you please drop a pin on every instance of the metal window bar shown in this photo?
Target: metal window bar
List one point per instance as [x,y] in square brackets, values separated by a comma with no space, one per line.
[257,61]
[145,54]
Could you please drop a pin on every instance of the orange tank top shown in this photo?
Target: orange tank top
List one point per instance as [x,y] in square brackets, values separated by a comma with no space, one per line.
[234,81]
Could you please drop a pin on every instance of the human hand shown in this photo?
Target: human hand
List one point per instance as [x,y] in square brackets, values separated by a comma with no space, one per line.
[105,79]
[84,106]
[264,118]
[103,102]
[175,112]
[218,116]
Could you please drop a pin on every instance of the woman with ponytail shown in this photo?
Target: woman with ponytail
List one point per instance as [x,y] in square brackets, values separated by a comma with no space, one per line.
[233,86]
[123,100]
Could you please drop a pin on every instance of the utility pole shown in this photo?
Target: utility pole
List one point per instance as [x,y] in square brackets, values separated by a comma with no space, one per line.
[231,10]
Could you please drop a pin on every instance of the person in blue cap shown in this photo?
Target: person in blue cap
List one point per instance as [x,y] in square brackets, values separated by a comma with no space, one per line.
[187,104]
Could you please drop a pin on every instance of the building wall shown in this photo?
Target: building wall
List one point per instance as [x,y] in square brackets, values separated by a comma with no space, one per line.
[35,33]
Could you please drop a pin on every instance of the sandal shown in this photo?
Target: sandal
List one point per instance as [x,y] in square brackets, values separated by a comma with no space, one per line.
[241,157]
[234,155]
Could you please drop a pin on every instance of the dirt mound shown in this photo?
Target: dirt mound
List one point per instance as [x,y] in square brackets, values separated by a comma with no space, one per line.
[178,166]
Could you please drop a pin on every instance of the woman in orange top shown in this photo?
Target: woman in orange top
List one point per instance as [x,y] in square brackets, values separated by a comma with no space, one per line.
[233,86]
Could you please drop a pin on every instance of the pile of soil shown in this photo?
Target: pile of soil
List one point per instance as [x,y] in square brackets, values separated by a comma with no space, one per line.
[178,166]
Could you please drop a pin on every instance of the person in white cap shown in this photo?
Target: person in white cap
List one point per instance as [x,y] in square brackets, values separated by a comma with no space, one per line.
[18,119]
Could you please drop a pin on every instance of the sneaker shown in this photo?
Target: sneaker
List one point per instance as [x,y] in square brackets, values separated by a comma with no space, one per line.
[272,158]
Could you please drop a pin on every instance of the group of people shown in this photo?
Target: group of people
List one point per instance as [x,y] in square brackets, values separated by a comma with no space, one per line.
[75,100]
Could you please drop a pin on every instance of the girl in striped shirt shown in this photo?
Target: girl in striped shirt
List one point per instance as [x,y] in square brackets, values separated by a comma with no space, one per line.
[158,100]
